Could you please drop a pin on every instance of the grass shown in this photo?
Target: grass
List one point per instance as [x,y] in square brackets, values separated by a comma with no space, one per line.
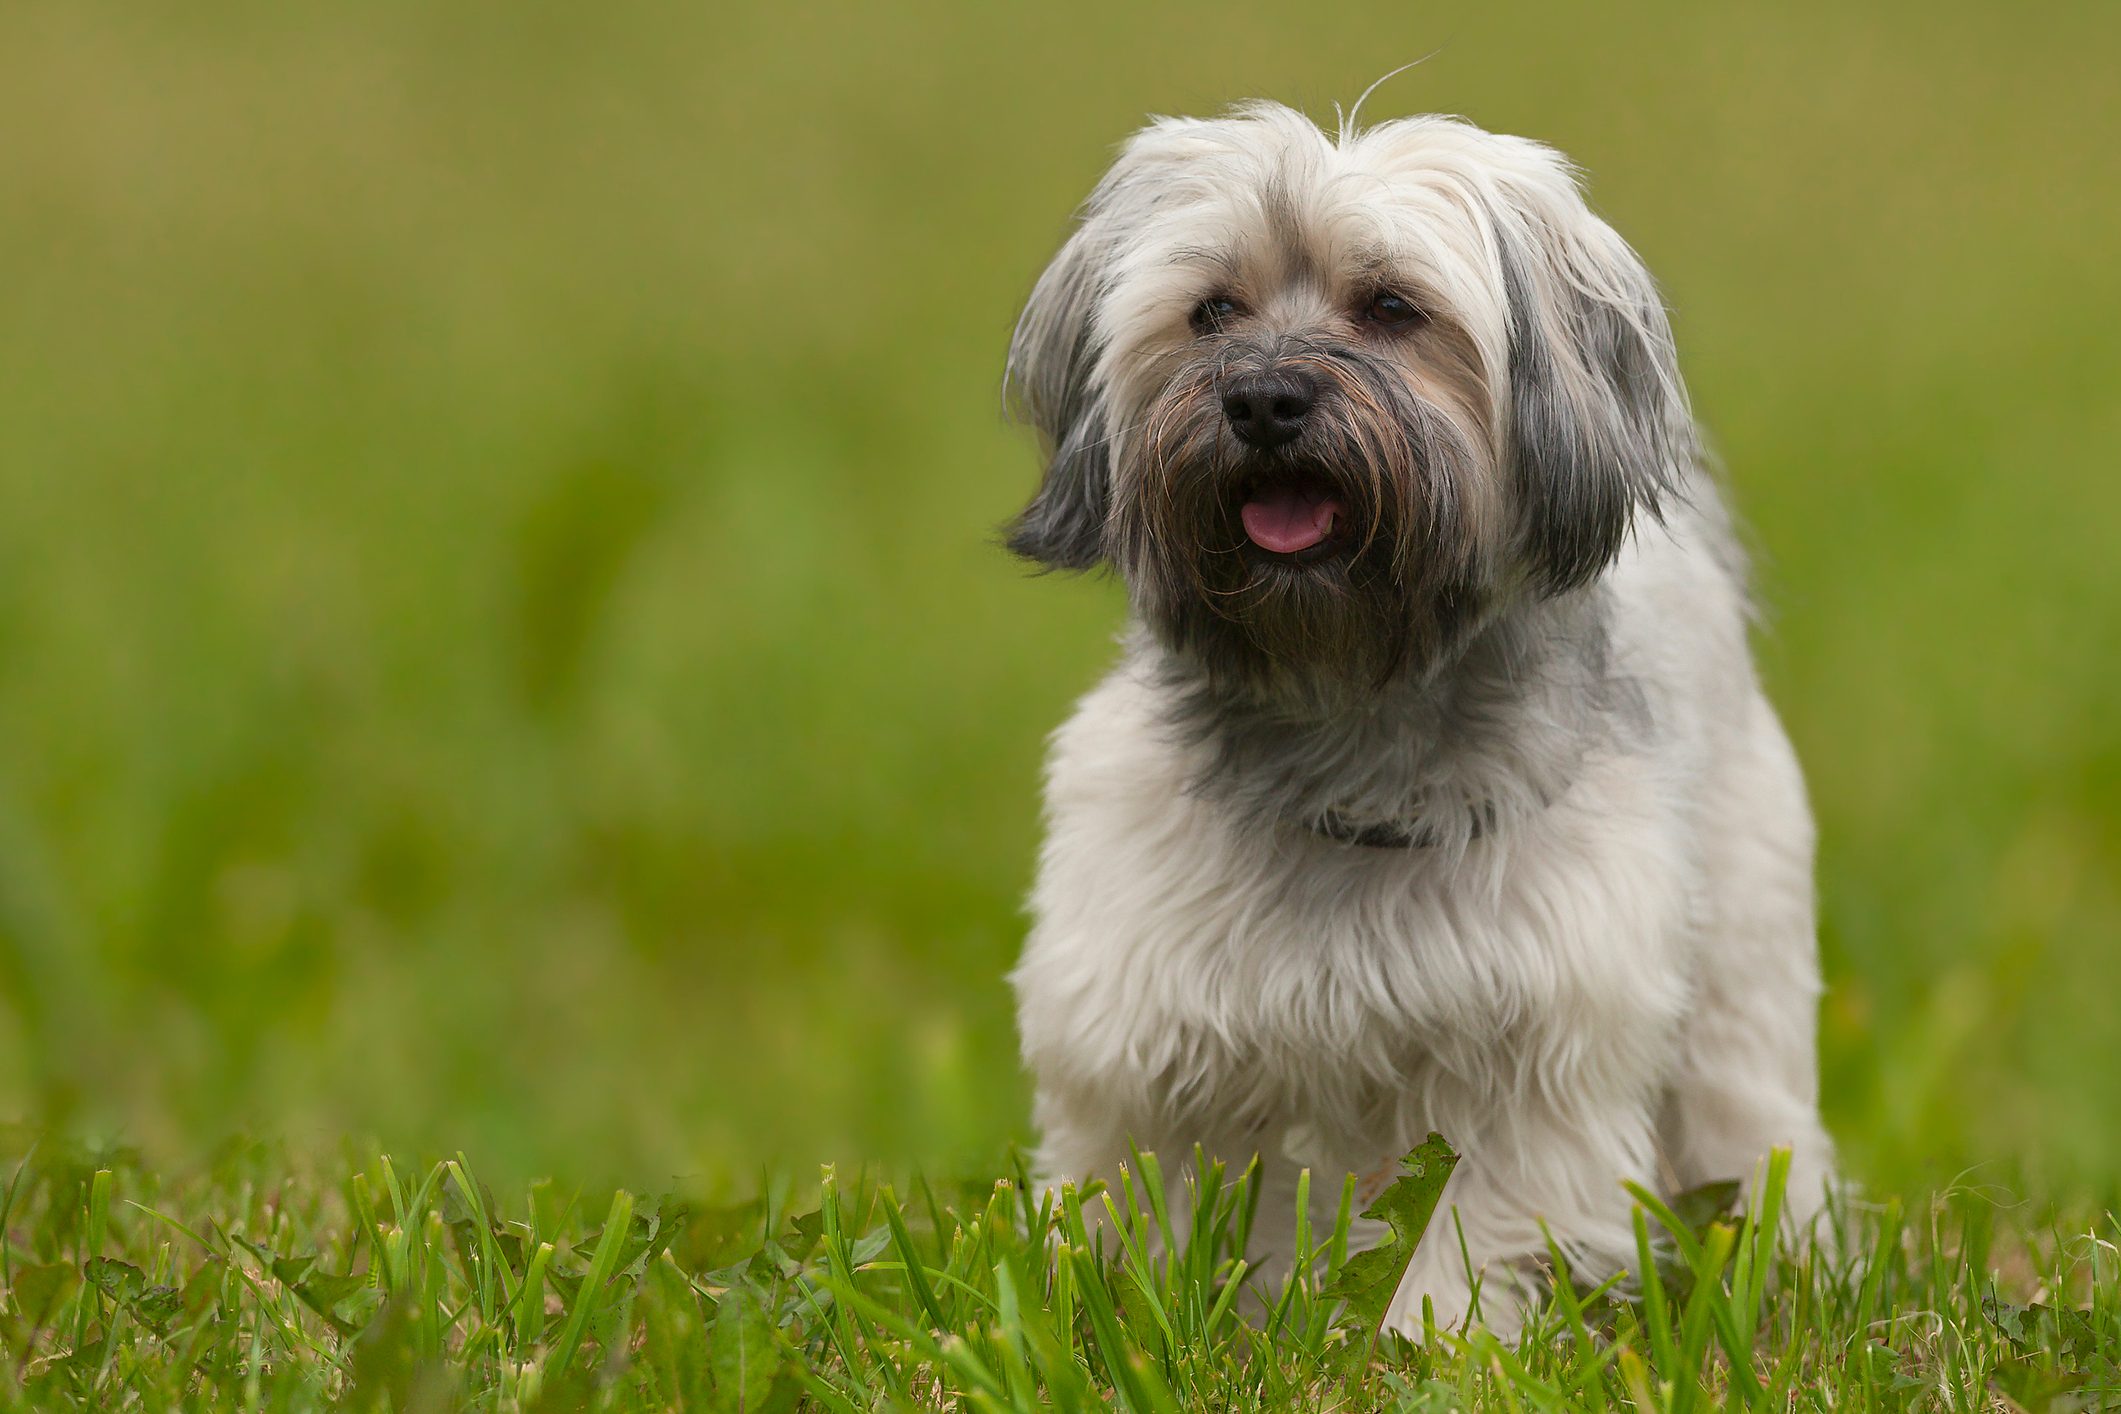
[258,1284]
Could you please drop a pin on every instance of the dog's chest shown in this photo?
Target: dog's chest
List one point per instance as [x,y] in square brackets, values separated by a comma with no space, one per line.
[1268,964]
[1329,951]
[1213,957]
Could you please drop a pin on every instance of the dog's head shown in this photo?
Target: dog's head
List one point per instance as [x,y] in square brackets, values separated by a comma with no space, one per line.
[1326,402]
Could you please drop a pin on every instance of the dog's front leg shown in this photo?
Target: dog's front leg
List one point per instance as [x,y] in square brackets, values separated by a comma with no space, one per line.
[1085,1139]
[1550,1173]
[1081,1136]
[1748,1078]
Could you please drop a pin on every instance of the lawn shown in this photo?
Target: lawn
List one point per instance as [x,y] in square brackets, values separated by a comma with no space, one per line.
[502,653]
[260,1285]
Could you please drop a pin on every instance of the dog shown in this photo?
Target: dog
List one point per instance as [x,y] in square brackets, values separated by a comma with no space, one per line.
[1434,788]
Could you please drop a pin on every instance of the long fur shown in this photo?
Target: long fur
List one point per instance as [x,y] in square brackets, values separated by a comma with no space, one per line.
[1599,961]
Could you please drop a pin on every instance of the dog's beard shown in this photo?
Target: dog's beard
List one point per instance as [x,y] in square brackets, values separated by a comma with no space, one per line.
[1387,590]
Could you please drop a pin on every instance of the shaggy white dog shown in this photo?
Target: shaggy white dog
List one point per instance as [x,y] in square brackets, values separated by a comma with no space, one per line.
[1435,788]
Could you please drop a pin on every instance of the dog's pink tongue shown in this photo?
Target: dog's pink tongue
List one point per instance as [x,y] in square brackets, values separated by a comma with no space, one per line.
[1286,519]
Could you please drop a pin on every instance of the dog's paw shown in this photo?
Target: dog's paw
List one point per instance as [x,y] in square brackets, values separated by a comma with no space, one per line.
[1445,1300]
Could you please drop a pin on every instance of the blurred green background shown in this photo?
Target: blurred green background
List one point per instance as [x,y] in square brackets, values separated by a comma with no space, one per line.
[500,644]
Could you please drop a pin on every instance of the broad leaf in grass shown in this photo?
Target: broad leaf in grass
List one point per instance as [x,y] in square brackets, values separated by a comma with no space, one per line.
[466,1208]
[293,1271]
[1698,1209]
[345,1301]
[2063,1330]
[2042,1391]
[120,1281]
[721,1237]
[804,1230]
[1707,1203]
[670,1218]
[153,1306]
[386,1357]
[289,1271]
[647,1234]
[1367,1281]
[156,1307]
[674,1336]
[744,1353]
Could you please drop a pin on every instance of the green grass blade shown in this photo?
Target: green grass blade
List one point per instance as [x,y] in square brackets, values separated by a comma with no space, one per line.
[601,1266]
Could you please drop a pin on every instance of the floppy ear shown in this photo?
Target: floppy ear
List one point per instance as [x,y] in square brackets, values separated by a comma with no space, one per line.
[1054,354]
[1598,415]
[1051,359]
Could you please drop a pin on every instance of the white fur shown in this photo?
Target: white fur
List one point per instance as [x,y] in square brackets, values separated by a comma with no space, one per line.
[1618,981]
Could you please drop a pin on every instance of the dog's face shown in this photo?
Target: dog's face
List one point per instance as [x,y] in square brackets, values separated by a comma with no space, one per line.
[1326,403]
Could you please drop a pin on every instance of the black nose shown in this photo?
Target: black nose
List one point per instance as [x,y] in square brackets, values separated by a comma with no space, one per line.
[1268,409]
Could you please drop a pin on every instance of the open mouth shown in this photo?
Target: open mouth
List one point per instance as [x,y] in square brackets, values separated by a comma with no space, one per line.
[1292,515]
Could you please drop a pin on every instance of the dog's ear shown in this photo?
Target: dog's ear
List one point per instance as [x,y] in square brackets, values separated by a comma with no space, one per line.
[1053,356]
[1598,416]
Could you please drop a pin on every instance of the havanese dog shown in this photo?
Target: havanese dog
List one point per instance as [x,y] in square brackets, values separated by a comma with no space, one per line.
[1434,789]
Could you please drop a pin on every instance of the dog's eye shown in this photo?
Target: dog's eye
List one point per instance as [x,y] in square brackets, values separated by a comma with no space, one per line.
[1214,312]
[1391,310]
